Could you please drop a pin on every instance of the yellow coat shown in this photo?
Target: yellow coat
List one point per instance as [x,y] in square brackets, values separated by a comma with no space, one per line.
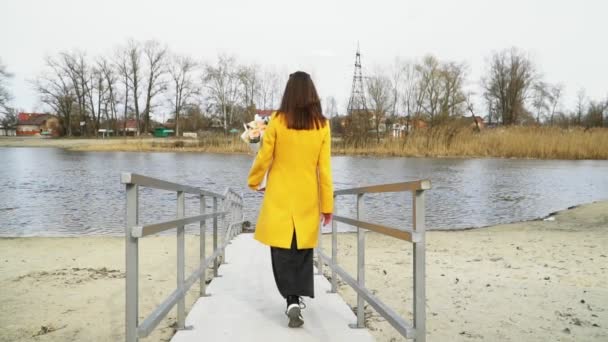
[299,185]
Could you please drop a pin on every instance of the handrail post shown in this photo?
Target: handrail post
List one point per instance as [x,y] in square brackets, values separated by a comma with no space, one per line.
[419,267]
[334,252]
[360,263]
[181,262]
[241,213]
[202,241]
[229,224]
[131,267]
[226,224]
[215,265]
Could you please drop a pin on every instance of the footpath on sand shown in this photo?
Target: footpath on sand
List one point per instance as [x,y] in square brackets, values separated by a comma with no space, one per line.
[244,305]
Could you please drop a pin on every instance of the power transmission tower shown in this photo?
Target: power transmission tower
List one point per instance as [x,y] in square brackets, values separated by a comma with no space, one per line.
[356,103]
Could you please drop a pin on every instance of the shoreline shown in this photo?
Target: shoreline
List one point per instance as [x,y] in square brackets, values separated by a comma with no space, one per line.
[511,282]
[537,219]
[371,155]
[389,148]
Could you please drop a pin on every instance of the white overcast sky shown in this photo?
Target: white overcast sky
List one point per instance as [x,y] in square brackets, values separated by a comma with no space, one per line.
[566,39]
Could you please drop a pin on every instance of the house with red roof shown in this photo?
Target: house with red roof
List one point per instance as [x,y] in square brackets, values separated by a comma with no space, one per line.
[36,124]
[264,112]
[129,127]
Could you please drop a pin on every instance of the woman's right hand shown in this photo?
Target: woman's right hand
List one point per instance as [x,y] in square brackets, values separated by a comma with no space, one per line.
[326,218]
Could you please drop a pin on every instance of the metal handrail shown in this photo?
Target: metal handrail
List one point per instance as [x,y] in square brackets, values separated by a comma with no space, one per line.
[416,235]
[151,229]
[230,209]
[149,182]
[402,234]
[424,184]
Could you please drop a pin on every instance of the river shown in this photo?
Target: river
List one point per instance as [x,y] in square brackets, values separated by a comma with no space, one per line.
[54,192]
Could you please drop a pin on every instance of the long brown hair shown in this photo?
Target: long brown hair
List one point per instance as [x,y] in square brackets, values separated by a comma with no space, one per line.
[301,105]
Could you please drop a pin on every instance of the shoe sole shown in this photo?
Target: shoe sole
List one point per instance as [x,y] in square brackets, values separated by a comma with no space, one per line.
[295,320]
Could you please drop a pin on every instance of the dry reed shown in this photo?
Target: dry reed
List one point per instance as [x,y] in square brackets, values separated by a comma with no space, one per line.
[504,142]
[510,142]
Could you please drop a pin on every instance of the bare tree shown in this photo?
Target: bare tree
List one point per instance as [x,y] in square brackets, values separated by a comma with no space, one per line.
[581,104]
[397,74]
[508,82]
[109,73]
[331,106]
[471,109]
[181,70]
[595,113]
[453,97]
[155,55]
[380,99]
[223,87]
[73,65]
[97,92]
[122,63]
[430,87]
[133,73]
[540,96]
[268,94]
[5,95]
[439,91]
[412,96]
[249,75]
[90,88]
[9,118]
[276,92]
[555,94]
[57,90]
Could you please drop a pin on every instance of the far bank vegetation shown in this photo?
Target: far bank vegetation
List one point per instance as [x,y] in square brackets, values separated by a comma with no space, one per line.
[417,107]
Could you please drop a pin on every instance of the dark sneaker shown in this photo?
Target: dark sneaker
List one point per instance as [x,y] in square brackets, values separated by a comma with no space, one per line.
[294,312]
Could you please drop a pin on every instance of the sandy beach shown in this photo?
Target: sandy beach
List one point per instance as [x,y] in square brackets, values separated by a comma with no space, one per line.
[530,281]
[217,144]
[73,289]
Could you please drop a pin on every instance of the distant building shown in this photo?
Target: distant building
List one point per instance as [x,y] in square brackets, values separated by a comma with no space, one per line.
[128,128]
[405,125]
[216,123]
[263,115]
[264,112]
[7,131]
[37,124]
[170,123]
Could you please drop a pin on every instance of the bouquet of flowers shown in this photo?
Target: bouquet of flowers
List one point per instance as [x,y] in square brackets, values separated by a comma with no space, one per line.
[253,135]
[254,131]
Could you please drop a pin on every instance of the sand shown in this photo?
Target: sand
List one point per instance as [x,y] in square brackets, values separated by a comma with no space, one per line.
[74,287]
[131,144]
[531,281]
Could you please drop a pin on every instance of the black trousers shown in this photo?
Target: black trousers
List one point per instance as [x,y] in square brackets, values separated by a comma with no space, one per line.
[293,270]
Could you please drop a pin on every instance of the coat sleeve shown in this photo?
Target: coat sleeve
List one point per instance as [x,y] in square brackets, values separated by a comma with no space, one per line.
[325,178]
[263,158]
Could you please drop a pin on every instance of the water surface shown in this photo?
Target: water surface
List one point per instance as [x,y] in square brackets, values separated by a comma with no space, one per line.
[54,192]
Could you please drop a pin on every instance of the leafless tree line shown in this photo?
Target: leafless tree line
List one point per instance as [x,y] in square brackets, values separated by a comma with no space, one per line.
[516,93]
[145,80]
[410,90]
[142,80]
[435,91]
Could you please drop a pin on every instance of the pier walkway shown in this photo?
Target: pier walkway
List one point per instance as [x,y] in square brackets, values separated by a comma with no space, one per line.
[242,302]
[245,305]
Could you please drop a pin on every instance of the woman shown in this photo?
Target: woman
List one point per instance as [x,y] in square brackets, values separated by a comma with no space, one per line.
[296,153]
